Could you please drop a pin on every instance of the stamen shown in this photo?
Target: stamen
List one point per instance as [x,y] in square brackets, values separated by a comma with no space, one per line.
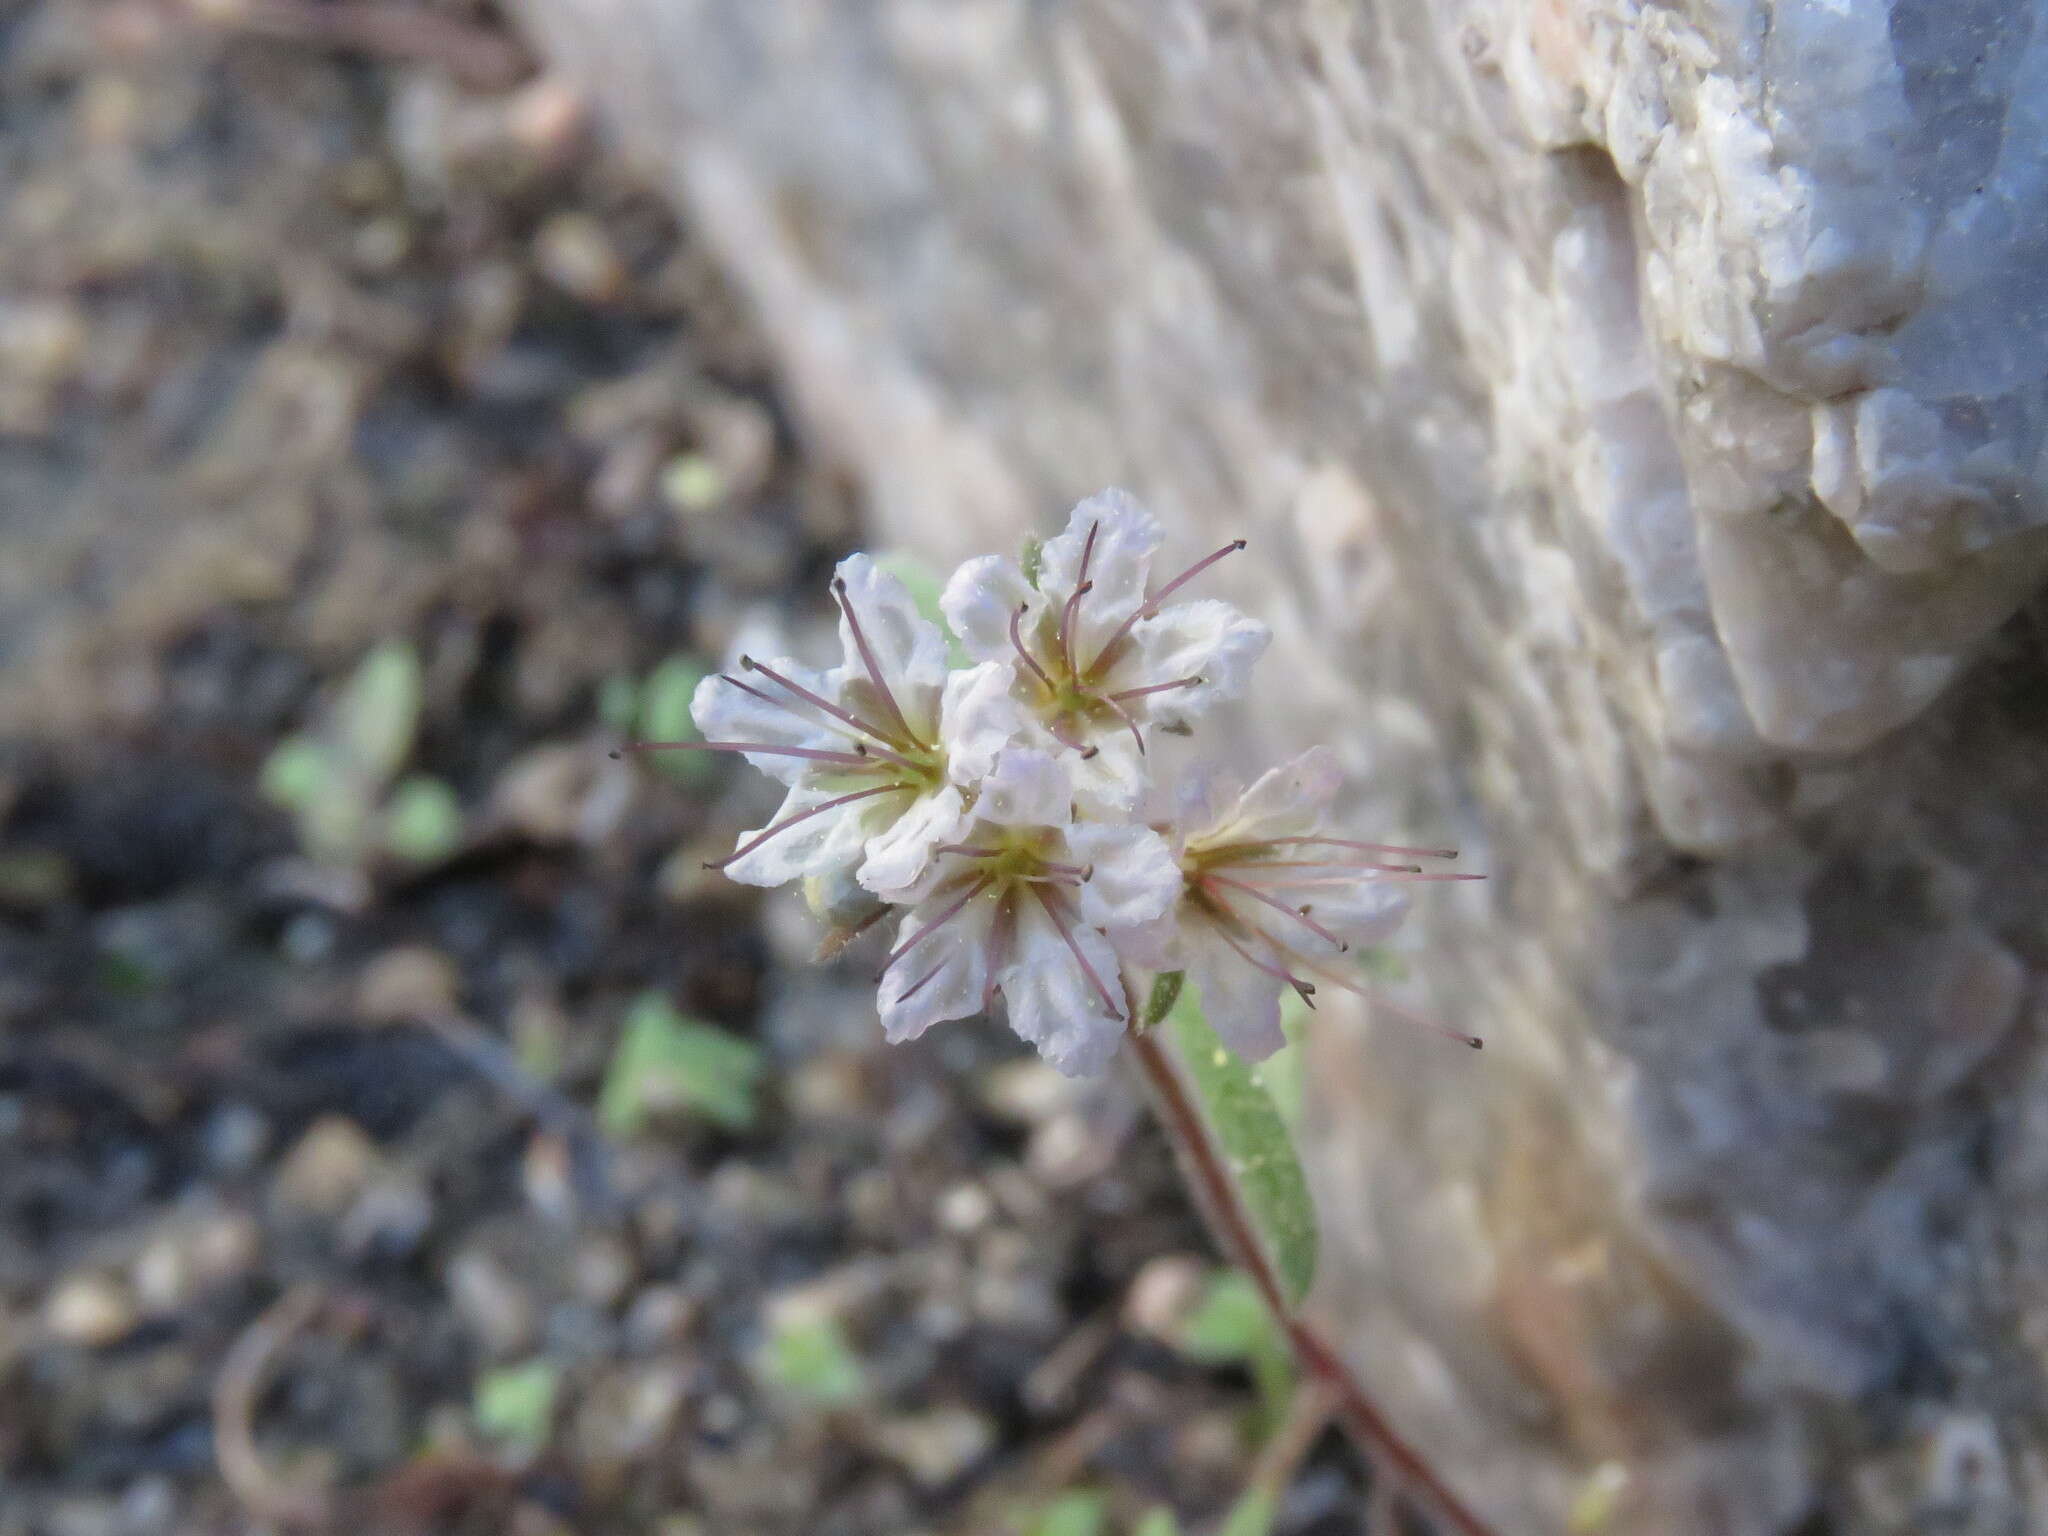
[934,925]
[1151,604]
[817,810]
[1078,871]
[829,724]
[921,983]
[1303,989]
[1067,739]
[1082,586]
[1252,867]
[827,705]
[968,852]
[1052,910]
[855,759]
[1139,693]
[1340,842]
[1017,639]
[1066,631]
[1379,1000]
[1299,914]
[1129,724]
[867,657]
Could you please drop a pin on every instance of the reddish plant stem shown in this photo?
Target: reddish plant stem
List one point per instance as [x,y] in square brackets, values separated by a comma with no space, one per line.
[1391,1456]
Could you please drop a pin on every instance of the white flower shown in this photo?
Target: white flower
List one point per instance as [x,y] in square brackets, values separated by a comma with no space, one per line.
[1096,659]
[1025,904]
[876,751]
[1269,899]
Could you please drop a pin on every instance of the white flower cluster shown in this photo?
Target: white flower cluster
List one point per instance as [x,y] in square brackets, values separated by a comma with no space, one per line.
[1008,807]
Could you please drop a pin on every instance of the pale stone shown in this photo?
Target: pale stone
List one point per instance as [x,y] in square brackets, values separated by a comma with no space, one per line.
[1640,417]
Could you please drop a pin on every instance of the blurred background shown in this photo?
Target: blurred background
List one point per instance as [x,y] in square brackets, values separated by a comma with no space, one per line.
[399,1129]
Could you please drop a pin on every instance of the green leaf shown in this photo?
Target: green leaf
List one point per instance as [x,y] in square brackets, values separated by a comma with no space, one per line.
[380,711]
[667,1062]
[423,822]
[517,1402]
[1254,1144]
[665,716]
[1079,1512]
[1158,1521]
[297,772]
[806,1355]
[1165,993]
[1252,1515]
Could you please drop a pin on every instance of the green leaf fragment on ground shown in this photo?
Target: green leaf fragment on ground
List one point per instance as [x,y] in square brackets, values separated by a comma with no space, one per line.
[691,482]
[1081,1512]
[665,716]
[1253,1142]
[517,1402]
[1252,1515]
[1158,1521]
[380,711]
[665,1061]
[423,822]
[618,702]
[1231,1325]
[806,1355]
[297,772]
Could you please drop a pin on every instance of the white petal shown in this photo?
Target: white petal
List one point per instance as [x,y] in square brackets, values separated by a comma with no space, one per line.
[1241,1002]
[909,649]
[1134,878]
[899,854]
[1126,537]
[978,602]
[1207,639]
[1205,798]
[1289,801]
[980,717]
[1051,1001]
[1112,783]
[820,845]
[1026,788]
[724,712]
[959,951]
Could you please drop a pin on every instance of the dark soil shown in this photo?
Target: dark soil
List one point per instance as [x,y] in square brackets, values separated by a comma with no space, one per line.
[308,346]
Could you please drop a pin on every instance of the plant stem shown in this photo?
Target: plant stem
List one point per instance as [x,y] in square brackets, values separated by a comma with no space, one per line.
[1215,1192]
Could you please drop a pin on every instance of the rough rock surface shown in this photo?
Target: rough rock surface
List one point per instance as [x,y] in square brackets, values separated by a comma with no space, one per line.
[1640,414]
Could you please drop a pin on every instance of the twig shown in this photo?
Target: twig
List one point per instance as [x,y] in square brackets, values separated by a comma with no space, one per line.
[236,1392]
[1216,1193]
[479,57]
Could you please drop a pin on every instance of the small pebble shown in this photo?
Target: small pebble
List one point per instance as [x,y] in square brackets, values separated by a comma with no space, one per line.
[409,982]
[935,1446]
[1162,1295]
[964,1208]
[659,1318]
[91,1310]
[328,1170]
[491,1303]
